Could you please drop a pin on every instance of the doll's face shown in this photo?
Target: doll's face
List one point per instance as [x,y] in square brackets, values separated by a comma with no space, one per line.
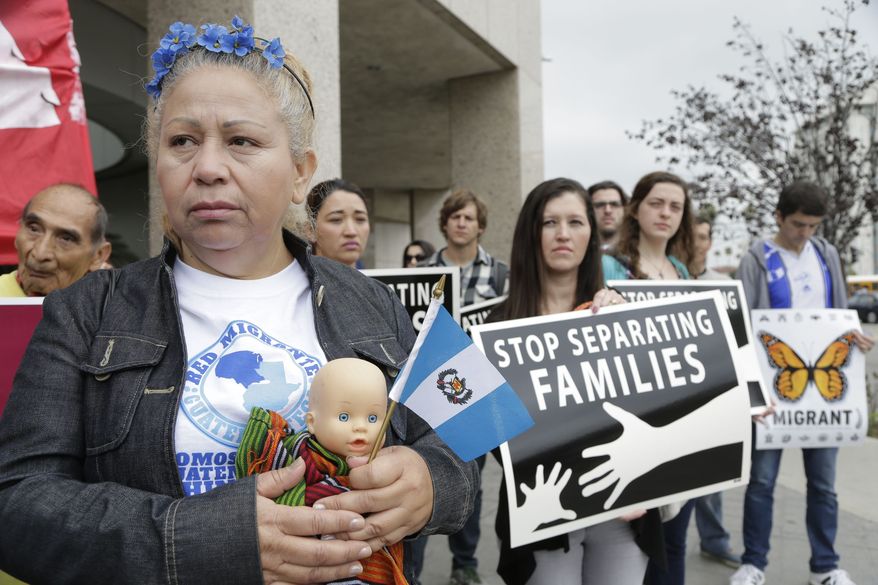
[348,406]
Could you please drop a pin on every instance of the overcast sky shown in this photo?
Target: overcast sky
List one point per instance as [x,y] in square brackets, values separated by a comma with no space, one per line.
[610,64]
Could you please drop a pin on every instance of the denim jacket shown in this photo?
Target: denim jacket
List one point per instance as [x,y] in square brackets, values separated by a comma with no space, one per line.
[89,487]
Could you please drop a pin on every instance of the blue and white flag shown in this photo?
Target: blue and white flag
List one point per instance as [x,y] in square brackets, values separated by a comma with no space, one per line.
[450,384]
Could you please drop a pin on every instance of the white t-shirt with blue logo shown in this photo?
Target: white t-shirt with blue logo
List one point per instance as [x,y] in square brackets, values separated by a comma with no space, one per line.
[248,343]
[807,282]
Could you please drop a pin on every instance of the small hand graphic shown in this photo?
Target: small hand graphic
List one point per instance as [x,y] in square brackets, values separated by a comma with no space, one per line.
[543,502]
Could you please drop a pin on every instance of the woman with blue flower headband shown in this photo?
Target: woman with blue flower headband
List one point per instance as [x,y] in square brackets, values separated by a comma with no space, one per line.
[120,436]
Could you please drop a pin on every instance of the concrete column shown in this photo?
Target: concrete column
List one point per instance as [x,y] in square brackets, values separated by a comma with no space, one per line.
[426,204]
[530,93]
[308,30]
[486,150]
[391,230]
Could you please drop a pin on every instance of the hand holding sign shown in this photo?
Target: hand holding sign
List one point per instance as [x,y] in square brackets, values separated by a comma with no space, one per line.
[864,342]
[543,502]
[643,447]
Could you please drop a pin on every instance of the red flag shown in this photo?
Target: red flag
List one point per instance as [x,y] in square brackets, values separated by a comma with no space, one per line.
[43,128]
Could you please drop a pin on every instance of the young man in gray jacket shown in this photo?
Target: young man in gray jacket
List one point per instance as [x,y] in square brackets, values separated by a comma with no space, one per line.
[794,269]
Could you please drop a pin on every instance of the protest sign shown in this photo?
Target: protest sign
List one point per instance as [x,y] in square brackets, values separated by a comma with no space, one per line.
[476,313]
[19,317]
[817,376]
[739,317]
[636,406]
[414,286]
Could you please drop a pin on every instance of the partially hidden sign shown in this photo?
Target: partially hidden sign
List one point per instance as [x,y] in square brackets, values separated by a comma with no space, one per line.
[414,287]
[477,313]
[19,317]
[739,316]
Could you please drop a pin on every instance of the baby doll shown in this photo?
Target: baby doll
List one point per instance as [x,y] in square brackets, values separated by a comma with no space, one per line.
[348,402]
[347,406]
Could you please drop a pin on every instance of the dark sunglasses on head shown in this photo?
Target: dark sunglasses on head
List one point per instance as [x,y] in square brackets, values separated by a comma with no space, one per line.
[602,204]
[416,257]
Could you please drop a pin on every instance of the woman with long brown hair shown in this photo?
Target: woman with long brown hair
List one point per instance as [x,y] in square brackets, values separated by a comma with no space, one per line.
[655,241]
[556,267]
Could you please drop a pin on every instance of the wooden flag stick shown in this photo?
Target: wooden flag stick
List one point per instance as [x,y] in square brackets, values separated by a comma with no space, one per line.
[377,446]
[437,294]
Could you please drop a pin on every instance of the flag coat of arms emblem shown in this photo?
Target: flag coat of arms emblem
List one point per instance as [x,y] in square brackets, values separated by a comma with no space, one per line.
[449,383]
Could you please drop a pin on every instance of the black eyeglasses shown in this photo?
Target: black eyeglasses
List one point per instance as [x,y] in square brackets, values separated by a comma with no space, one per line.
[602,204]
[416,257]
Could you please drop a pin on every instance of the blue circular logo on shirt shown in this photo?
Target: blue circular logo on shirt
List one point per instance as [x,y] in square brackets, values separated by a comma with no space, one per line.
[246,367]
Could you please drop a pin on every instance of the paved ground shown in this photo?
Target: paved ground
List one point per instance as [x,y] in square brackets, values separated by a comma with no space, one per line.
[857,543]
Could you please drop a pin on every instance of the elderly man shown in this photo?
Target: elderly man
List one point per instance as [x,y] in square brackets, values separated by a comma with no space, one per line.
[61,238]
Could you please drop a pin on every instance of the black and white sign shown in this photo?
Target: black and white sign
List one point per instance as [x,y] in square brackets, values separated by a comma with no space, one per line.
[475,314]
[414,287]
[739,316]
[636,406]
[817,376]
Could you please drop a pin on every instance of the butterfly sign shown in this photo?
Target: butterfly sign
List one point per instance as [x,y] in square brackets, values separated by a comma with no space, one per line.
[793,374]
[816,375]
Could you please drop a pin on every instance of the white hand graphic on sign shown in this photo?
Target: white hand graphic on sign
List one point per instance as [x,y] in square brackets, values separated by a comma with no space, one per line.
[543,502]
[643,447]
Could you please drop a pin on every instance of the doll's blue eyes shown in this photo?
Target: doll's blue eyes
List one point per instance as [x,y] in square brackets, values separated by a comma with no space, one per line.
[345,417]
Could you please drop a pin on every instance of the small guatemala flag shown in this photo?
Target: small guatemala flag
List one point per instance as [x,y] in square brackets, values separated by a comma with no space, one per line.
[450,384]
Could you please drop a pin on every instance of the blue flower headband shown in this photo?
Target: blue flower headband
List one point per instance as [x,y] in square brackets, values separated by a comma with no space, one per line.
[216,39]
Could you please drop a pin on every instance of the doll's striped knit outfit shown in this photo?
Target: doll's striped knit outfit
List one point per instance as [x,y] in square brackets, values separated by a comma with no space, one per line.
[269,443]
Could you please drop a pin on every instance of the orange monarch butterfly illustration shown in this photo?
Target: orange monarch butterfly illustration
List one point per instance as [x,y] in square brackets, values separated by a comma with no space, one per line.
[794,374]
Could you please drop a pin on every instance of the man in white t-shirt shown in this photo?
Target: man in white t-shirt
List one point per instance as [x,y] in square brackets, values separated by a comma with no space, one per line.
[794,269]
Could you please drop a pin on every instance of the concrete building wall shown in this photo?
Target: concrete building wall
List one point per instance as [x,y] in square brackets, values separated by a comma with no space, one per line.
[115,101]
[530,94]
[310,32]
[486,149]
[389,212]
[455,103]
[426,204]
[513,29]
